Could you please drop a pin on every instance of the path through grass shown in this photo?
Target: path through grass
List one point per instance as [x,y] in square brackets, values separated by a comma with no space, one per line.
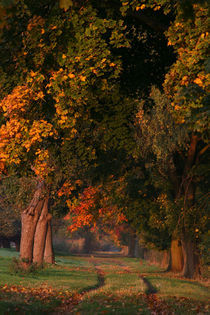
[94,285]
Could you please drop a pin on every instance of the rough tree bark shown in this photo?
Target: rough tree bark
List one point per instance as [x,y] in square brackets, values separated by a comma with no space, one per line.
[29,219]
[176,257]
[191,268]
[48,252]
[40,234]
[186,188]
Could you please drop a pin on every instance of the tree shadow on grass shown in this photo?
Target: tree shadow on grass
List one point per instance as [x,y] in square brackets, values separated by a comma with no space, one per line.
[100,282]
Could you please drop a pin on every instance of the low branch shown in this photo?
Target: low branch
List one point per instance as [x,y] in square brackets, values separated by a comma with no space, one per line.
[202,152]
[35,200]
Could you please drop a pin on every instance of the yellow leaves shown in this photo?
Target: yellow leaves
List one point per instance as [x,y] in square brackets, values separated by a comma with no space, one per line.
[198,81]
[185,80]
[141,7]
[204,35]
[76,115]
[157,8]
[178,24]
[73,131]
[11,139]
[60,111]
[181,121]
[40,129]
[112,64]
[61,94]
[40,95]
[17,101]
[41,165]
[203,80]
[64,56]
[71,75]
[63,119]
[89,57]
[177,107]
[82,78]
[60,70]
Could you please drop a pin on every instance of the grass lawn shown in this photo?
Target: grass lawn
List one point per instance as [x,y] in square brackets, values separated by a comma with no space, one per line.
[94,285]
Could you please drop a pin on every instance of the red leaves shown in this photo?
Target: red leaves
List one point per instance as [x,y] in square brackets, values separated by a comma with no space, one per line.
[94,207]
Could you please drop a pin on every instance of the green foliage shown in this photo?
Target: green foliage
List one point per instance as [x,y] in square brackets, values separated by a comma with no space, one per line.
[204,248]
[164,144]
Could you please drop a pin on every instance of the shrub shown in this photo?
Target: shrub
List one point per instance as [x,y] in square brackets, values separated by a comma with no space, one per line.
[17,266]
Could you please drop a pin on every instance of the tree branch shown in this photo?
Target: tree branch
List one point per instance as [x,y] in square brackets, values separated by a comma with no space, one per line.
[202,152]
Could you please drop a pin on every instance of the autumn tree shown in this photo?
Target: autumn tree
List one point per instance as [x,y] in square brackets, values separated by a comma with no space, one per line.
[61,97]
[172,131]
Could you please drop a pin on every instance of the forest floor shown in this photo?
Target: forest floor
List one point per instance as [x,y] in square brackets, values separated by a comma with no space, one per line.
[98,285]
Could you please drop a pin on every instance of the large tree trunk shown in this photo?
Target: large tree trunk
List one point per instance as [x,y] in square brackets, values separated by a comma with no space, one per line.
[40,234]
[191,267]
[48,252]
[176,257]
[29,219]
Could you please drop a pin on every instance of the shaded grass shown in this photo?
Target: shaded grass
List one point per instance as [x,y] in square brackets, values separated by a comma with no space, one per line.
[54,276]
[14,304]
[10,252]
[42,292]
[108,286]
[179,287]
[109,303]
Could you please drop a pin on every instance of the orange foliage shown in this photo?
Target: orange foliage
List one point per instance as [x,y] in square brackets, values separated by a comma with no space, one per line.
[17,101]
[19,135]
[94,208]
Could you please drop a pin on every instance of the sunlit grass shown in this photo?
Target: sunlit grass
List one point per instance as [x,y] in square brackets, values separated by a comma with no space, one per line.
[59,276]
[179,287]
[121,289]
